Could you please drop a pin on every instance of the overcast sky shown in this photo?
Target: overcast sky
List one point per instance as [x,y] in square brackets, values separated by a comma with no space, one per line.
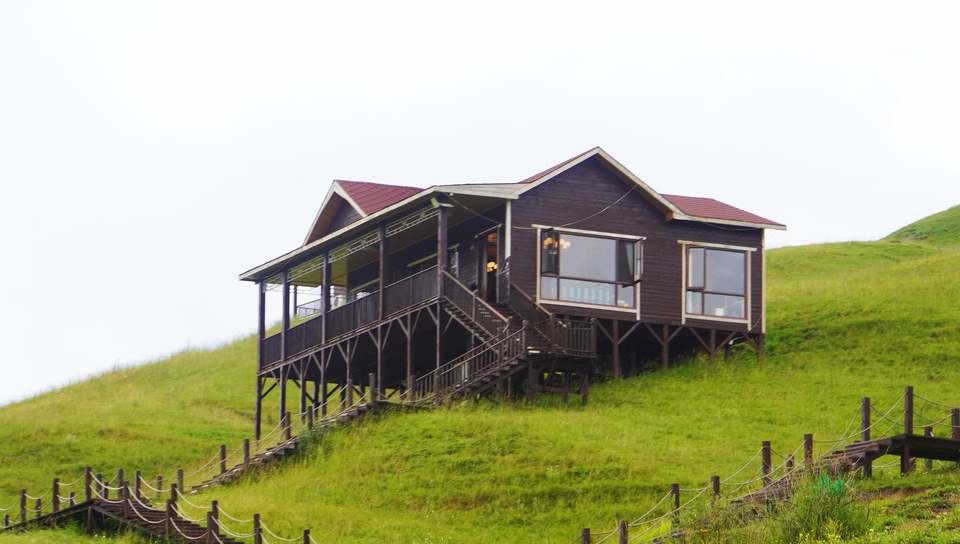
[151,151]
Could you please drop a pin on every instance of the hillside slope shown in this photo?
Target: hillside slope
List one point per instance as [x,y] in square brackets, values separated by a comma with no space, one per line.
[845,321]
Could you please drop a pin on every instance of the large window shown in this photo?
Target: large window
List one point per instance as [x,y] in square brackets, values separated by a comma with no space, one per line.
[716,282]
[588,269]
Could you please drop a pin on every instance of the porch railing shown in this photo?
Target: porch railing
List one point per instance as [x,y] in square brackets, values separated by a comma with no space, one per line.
[308,309]
[471,366]
[410,291]
[476,308]
[352,316]
[270,350]
[304,336]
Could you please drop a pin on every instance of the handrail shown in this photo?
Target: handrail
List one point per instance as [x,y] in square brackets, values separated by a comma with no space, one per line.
[480,300]
[531,299]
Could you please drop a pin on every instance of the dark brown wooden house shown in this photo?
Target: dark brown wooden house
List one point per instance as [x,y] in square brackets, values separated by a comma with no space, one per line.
[538,284]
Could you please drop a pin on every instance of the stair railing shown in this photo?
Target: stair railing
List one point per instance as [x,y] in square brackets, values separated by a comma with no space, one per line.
[482,313]
[473,365]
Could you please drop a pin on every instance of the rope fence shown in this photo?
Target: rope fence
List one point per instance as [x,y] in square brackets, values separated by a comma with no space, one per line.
[770,483]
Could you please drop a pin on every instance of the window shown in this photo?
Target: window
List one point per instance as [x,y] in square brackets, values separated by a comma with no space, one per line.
[588,269]
[716,282]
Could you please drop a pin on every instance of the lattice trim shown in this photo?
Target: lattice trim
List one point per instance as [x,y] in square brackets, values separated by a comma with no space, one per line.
[354,246]
[411,220]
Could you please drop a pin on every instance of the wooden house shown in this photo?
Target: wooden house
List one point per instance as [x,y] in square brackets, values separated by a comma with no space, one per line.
[425,294]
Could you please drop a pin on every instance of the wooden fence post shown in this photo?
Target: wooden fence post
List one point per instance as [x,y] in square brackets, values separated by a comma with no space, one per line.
[373,387]
[955,423]
[865,433]
[808,450]
[310,418]
[306,536]
[136,484]
[6,520]
[715,483]
[675,491]
[287,425]
[908,410]
[223,458]
[23,506]
[623,532]
[767,464]
[90,521]
[928,463]
[102,490]
[39,508]
[179,480]
[246,454]
[585,536]
[87,484]
[55,501]
[125,497]
[210,523]
[120,482]
[173,493]
[72,499]
[168,518]
[257,532]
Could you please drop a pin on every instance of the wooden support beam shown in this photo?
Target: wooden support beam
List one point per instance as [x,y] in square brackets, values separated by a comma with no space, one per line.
[285,322]
[616,348]
[665,347]
[261,323]
[284,373]
[303,385]
[325,297]
[865,433]
[384,265]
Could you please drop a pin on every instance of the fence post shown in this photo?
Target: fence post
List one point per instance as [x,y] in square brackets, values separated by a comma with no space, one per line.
[908,410]
[310,418]
[373,387]
[120,482]
[623,532]
[87,483]
[39,508]
[102,487]
[675,491]
[72,499]
[23,506]
[306,536]
[173,493]
[125,497]
[56,495]
[210,523]
[865,433]
[955,423]
[223,458]
[215,510]
[179,479]
[765,453]
[246,454]
[286,425]
[807,450]
[585,536]
[136,484]
[168,515]
[715,483]
[6,520]
[928,431]
[257,532]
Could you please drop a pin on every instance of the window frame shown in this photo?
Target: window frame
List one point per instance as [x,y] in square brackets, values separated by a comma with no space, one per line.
[747,252]
[617,238]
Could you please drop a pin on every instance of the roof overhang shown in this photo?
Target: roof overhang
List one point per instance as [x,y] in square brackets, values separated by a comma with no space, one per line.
[746,224]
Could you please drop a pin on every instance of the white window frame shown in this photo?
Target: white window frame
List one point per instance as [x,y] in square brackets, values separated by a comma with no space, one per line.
[636,291]
[747,251]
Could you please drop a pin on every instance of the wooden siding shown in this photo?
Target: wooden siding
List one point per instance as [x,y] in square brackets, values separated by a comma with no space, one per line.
[588,188]
[345,215]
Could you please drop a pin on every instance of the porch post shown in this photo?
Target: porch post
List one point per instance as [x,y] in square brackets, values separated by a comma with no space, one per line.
[284,374]
[325,296]
[616,349]
[256,429]
[261,322]
[286,316]
[441,266]
[384,264]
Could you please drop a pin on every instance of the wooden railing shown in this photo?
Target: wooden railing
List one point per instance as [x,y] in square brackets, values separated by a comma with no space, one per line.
[270,350]
[471,366]
[304,336]
[472,306]
[566,336]
[410,292]
[353,316]
[308,309]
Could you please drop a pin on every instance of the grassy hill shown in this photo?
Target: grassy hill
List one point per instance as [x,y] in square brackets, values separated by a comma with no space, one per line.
[845,321]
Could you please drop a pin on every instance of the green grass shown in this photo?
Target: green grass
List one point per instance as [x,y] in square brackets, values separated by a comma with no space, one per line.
[845,321]
[942,229]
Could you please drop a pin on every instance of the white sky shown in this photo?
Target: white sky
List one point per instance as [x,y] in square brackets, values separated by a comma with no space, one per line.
[148,155]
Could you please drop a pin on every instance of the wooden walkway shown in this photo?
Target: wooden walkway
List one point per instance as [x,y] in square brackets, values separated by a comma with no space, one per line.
[861,454]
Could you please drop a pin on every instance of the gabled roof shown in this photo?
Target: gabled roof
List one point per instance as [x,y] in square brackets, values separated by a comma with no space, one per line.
[708,208]
[364,197]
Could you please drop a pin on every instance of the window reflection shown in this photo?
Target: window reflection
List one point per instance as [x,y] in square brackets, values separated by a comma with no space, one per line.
[716,282]
[588,269]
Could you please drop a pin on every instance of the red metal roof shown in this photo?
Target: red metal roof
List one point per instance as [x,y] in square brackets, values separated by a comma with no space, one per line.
[373,197]
[714,209]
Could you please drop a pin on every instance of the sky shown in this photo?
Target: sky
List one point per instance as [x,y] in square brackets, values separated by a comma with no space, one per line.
[152,151]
